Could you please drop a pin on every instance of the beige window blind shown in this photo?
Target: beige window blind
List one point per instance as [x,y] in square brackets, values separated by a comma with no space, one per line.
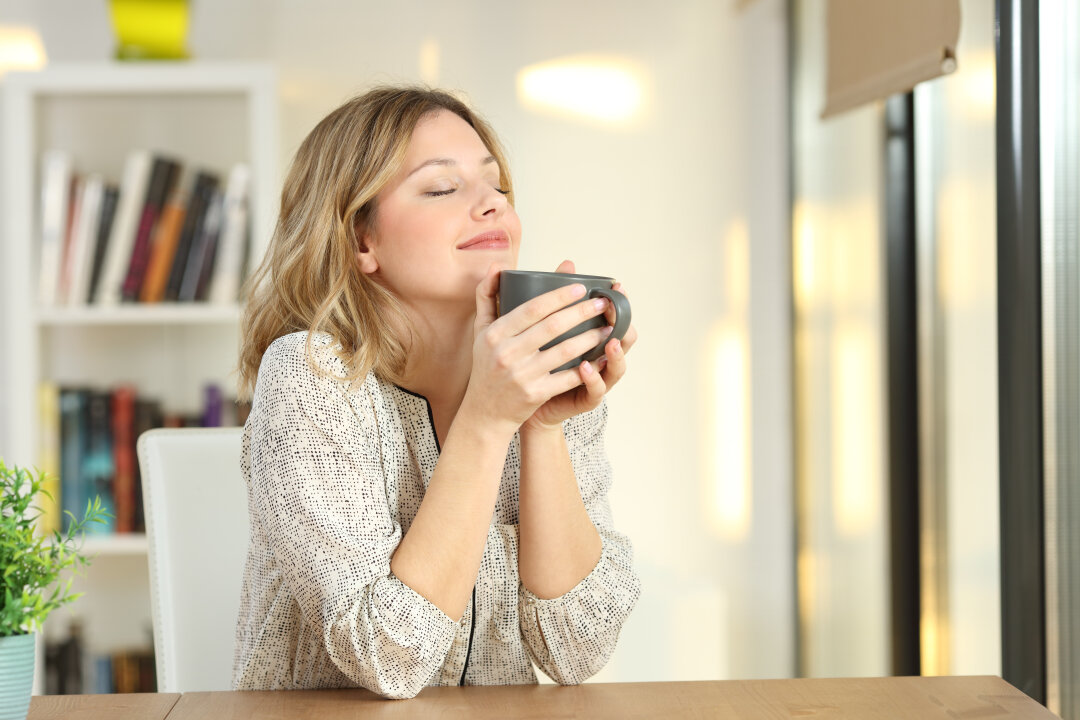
[880,47]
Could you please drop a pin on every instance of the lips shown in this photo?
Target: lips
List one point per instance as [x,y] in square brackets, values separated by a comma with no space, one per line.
[493,240]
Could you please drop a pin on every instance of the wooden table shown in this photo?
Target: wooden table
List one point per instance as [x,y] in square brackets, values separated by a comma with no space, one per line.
[948,698]
[145,706]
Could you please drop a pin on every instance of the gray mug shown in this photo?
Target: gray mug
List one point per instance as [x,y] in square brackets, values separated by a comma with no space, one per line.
[519,286]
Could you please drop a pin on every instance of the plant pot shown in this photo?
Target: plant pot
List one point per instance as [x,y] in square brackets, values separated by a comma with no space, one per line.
[16,675]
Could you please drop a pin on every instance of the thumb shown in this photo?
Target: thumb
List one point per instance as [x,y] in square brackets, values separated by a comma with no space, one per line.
[486,294]
[566,266]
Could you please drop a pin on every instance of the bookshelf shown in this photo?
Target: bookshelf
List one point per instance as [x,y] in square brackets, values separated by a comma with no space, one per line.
[208,115]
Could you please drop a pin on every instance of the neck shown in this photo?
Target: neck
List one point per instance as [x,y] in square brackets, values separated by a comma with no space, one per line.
[440,362]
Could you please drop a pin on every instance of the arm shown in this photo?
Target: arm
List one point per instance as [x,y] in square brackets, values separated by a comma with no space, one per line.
[559,544]
[317,489]
[571,637]
[440,555]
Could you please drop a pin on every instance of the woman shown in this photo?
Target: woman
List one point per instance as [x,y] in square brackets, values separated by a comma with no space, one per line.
[428,502]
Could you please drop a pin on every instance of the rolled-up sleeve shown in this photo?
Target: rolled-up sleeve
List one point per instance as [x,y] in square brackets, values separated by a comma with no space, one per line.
[571,637]
[317,490]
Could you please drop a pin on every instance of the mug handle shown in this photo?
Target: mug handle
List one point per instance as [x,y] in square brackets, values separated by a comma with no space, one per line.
[622,318]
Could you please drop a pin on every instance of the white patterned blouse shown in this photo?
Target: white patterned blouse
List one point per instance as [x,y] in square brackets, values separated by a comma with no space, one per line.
[335,476]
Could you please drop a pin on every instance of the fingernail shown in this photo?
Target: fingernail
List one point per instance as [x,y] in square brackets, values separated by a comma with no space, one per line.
[586,367]
[618,347]
[606,330]
[577,289]
[599,304]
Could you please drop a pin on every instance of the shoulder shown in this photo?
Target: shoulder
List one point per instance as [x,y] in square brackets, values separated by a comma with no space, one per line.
[307,360]
[317,351]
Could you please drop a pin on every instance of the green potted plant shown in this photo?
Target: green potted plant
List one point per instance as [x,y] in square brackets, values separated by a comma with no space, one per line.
[31,587]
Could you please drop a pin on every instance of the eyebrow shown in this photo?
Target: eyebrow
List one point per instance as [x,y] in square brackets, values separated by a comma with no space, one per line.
[446,162]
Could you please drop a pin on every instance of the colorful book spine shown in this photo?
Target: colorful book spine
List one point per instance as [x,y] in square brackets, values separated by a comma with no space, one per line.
[51,516]
[162,180]
[73,436]
[98,467]
[124,459]
[55,191]
[109,200]
[133,188]
[228,270]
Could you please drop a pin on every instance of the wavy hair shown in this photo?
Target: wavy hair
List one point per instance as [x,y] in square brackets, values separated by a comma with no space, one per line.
[310,277]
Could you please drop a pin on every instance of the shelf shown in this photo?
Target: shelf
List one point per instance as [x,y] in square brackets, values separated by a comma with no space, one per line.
[173,314]
[114,545]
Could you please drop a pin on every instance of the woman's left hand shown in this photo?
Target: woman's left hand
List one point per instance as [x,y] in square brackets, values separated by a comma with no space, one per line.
[597,376]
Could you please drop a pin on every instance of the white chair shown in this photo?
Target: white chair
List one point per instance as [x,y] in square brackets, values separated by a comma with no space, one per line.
[195,503]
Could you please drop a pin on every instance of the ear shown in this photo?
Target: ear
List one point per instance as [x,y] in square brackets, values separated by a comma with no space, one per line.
[365,255]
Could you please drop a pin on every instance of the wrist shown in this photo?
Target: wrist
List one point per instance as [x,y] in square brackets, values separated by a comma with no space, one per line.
[471,419]
[535,431]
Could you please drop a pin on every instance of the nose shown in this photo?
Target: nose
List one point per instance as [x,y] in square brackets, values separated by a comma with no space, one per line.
[490,202]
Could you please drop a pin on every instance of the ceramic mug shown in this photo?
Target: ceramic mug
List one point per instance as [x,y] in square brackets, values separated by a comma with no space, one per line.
[520,286]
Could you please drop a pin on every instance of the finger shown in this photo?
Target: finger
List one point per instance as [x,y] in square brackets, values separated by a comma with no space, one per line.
[556,325]
[530,313]
[566,266]
[615,367]
[571,348]
[595,384]
[486,292]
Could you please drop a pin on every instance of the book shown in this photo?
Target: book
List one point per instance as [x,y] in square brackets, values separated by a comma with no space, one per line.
[83,238]
[97,462]
[63,284]
[148,415]
[162,180]
[133,187]
[49,456]
[124,457]
[166,238]
[56,174]
[227,271]
[101,243]
[213,406]
[73,436]
[201,256]
[202,190]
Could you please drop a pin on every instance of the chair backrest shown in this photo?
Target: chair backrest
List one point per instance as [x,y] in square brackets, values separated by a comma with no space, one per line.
[195,503]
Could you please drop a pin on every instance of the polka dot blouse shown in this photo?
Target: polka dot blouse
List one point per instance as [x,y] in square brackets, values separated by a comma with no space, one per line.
[335,474]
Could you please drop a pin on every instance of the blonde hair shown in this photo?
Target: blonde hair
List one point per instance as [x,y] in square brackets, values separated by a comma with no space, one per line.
[310,278]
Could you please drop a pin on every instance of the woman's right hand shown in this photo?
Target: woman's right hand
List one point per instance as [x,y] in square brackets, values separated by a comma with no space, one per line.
[511,376]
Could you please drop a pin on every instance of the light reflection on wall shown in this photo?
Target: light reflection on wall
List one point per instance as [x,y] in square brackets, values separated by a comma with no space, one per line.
[728,485]
[20,49]
[855,443]
[606,89]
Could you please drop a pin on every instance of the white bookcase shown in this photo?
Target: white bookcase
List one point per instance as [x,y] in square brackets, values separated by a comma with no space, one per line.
[209,115]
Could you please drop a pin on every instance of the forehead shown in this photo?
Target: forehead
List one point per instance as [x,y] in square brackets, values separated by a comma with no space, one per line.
[444,134]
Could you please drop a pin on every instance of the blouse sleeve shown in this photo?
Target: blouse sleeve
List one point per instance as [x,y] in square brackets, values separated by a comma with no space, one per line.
[572,636]
[318,490]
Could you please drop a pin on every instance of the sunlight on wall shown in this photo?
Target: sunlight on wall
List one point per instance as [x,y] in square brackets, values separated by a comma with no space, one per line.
[598,88]
[980,86]
[855,440]
[428,62]
[20,49]
[730,496]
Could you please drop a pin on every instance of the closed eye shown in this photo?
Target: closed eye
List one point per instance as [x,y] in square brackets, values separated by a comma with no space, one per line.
[438,193]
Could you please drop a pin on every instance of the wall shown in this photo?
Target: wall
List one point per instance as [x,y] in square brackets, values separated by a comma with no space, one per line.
[686,203]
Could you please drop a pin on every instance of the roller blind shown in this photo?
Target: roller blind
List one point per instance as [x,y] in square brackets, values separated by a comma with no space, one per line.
[879,47]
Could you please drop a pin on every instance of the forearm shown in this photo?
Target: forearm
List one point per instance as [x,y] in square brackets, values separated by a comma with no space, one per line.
[558,543]
[440,555]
